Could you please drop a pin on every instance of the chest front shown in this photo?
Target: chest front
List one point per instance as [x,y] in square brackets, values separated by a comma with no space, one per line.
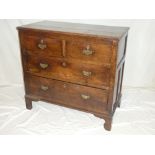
[73,69]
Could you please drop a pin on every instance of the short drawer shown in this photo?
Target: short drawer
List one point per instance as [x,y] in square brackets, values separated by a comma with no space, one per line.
[37,45]
[69,70]
[94,51]
[76,96]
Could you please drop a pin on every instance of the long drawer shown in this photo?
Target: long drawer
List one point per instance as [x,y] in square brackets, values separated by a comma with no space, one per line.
[69,70]
[81,97]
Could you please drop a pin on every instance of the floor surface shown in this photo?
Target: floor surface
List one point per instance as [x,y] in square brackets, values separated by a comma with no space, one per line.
[136,115]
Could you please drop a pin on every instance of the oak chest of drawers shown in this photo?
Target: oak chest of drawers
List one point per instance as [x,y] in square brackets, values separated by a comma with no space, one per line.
[74,65]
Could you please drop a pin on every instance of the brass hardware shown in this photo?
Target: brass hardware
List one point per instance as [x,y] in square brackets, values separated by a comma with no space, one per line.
[43,66]
[85,97]
[86,73]
[88,51]
[42,45]
[44,88]
[64,64]
[64,85]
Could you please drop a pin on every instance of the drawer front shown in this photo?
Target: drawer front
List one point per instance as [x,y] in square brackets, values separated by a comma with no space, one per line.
[73,95]
[81,48]
[41,45]
[90,50]
[69,70]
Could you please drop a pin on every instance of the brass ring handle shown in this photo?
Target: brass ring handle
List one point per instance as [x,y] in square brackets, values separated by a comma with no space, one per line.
[43,66]
[85,97]
[44,88]
[42,45]
[87,73]
[87,51]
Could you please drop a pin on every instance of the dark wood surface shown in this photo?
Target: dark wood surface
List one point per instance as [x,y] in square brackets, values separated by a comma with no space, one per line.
[74,65]
[92,99]
[110,32]
[74,46]
[30,43]
[69,70]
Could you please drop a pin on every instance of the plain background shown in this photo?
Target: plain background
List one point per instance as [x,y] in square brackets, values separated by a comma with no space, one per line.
[140,58]
[96,9]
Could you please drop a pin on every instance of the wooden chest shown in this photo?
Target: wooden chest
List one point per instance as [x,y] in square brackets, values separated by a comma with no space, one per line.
[74,65]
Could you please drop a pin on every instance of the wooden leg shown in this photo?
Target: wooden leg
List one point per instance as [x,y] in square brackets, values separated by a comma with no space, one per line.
[28,103]
[107,124]
[119,101]
[108,121]
[119,104]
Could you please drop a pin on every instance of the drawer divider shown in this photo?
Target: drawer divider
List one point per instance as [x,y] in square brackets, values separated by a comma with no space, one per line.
[64,48]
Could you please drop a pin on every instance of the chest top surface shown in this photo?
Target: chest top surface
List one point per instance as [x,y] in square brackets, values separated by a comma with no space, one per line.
[77,28]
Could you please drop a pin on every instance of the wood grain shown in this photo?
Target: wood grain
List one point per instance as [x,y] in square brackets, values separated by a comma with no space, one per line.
[72,71]
[78,66]
[109,32]
[67,93]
